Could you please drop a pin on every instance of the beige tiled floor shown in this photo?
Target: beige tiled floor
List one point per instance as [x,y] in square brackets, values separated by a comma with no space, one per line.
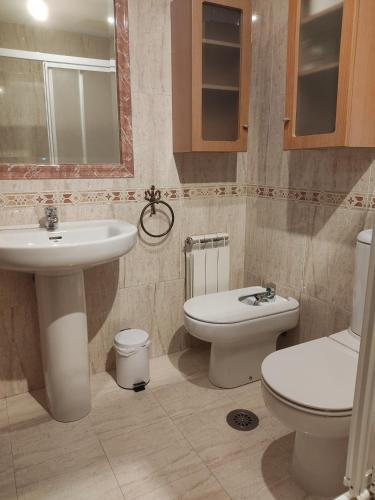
[168,442]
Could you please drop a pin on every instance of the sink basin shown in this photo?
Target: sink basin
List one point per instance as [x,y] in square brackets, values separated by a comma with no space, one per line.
[58,258]
[72,246]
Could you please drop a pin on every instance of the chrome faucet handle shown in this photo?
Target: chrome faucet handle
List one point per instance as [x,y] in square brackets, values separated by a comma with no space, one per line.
[51,217]
[270,290]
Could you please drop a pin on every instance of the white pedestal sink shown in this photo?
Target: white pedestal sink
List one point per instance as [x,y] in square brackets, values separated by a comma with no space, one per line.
[58,258]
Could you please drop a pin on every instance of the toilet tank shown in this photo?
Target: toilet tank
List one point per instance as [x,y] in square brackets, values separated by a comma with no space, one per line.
[362,258]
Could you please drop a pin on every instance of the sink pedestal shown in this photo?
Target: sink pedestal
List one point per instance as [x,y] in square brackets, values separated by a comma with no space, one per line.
[64,342]
[58,258]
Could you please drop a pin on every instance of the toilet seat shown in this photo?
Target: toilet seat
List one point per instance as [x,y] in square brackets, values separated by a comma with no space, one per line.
[326,370]
[306,409]
[226,307]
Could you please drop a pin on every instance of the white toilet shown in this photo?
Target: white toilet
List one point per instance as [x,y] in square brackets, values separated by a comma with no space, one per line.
[241,329]
[310,388]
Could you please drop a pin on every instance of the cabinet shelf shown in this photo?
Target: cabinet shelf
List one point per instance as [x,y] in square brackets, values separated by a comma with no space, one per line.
[211,42]
[318,69]
[225,88]
[330,83]
[220,43]
[319,16]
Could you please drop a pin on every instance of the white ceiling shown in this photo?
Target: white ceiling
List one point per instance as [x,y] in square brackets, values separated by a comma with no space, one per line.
[81,16]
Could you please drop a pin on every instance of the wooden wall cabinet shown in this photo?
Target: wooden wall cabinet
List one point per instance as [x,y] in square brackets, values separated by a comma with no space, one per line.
[330,95]
[211,44]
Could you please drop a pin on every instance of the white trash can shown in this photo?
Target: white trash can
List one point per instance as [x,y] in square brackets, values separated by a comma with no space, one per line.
[132,363]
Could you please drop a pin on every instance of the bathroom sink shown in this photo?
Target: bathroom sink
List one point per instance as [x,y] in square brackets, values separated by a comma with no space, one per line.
[58,258]
[73,245]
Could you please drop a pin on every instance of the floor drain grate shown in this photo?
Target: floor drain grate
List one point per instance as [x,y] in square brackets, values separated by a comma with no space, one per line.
[242,420]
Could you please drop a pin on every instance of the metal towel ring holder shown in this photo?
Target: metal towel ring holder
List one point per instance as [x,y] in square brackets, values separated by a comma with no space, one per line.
[154,198]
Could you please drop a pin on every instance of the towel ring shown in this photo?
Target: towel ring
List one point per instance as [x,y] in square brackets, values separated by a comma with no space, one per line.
[153,197]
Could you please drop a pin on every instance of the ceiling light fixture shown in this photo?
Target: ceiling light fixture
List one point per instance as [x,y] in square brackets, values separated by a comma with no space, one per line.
[38,9]
[111,20]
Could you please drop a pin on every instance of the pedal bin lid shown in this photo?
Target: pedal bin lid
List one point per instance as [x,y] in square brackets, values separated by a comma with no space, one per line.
[130,341]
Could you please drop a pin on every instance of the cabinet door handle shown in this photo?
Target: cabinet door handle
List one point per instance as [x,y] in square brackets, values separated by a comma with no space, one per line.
[246,126]
[286,119]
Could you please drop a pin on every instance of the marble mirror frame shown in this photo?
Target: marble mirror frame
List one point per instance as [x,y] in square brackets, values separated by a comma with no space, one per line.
[10,171]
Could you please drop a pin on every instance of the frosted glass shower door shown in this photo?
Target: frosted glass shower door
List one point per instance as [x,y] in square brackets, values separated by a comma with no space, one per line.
[82,114]
[64,116]
[100,117]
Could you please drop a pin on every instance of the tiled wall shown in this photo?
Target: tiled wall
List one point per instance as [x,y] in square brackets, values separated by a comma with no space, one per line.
[146,288]
[305,208]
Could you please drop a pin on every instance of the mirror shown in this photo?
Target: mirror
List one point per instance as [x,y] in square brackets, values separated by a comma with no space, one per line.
[58,85]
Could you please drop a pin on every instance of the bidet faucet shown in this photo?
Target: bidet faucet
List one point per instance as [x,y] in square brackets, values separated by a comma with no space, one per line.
[270,290]
[51,219]
[269,294]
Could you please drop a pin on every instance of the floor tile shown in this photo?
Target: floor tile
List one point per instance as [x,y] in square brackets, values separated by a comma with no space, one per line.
[214,440]
[7,481]
[29,407]
[54,460]
[210,435]
[120,411]
[101,383]
[90,478]
[64,462]
[191,396]
[3,404]
[248,392]
[261,475]
[37,438]
[250,398]
[178,367]
[196,486]
[157,462]
[7,484]
[5,446]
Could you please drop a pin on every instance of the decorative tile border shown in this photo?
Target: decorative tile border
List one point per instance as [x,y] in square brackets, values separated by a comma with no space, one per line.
[326,198]
[18,200]
[190,192]
[10,171]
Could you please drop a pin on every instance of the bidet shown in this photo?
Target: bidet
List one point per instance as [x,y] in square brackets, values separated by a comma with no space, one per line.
[241,328]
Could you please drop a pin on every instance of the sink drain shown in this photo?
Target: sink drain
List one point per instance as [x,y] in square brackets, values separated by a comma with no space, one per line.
[242,420]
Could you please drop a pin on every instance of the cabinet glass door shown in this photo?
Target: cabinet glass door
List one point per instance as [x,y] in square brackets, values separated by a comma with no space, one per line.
[221,71]
[318,67]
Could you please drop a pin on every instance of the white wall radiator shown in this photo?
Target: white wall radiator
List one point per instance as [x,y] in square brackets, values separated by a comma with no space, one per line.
[207,264]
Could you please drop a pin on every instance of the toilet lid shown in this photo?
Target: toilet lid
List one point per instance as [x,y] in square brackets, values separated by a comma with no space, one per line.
[319,374]
[227,308]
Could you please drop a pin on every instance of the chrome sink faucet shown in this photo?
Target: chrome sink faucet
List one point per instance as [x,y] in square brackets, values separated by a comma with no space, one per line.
[51,218]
